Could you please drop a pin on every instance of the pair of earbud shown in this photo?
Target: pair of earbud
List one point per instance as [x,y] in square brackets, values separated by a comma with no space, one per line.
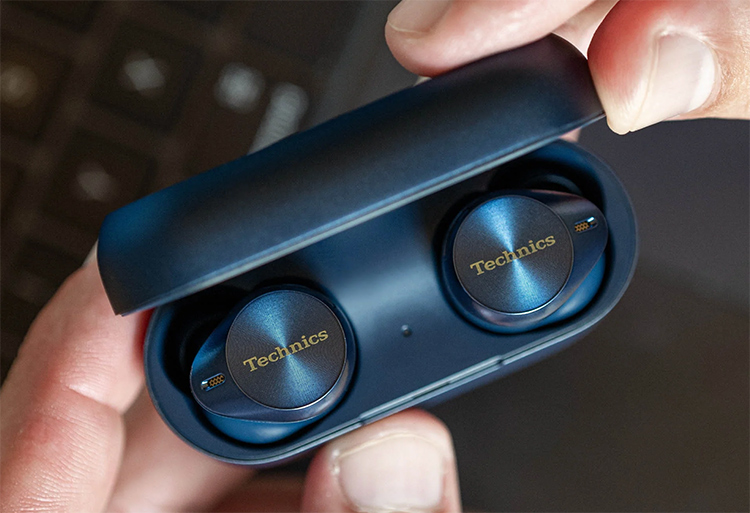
[512,261]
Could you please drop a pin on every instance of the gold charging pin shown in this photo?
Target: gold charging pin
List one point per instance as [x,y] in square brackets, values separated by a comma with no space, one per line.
[586,224]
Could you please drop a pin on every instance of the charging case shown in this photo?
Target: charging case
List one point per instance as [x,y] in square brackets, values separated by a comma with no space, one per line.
[357,209]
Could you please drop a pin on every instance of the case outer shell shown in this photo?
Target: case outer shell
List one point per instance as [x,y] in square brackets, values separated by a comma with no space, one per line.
[384,274]
[317,183]
[355,205]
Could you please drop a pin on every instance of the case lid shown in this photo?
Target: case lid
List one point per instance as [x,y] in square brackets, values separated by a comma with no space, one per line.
[317,183]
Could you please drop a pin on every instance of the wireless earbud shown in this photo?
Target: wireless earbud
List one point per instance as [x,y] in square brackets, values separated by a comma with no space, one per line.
[515,261]
[280,360]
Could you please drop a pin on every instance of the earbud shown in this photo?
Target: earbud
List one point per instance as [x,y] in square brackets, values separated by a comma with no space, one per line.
[518,260]
[280,360]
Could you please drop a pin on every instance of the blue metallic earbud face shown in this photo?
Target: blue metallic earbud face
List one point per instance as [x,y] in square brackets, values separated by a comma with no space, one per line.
[286,349]
[512,254]
[512,259]
[280,360]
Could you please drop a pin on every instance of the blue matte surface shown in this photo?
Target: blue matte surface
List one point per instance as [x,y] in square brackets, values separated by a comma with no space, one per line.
[384,274]
[315,184]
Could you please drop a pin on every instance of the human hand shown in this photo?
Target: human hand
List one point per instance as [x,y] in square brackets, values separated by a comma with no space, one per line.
[650,60]
[78,434]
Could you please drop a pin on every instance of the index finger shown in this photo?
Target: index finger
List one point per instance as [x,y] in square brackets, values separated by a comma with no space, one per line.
[429,37]
[62,430]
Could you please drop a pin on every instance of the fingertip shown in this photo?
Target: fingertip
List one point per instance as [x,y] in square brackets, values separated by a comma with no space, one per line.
[417,18]
[402,463]
[656,61]
[92,256]
[429,38]
[415,54]
[408,33]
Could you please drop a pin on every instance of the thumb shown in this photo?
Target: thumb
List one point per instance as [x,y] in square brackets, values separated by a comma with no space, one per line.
[658,60]
[401,463]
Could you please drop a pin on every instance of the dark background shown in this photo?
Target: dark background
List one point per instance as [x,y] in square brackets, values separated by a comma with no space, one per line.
[650,412]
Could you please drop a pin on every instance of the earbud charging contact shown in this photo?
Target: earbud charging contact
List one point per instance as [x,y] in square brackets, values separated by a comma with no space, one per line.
[288,353]
[512,259]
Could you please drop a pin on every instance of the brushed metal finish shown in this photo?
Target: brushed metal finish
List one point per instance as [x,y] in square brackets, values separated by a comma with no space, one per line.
[503,257]
[285,322]
[511,291]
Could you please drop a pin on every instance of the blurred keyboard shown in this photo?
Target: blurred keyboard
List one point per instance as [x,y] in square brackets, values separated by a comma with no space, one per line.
[103,102]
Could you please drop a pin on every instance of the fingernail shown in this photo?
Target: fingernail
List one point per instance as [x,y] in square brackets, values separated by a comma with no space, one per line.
[417,16]
[682,79]
[398,472]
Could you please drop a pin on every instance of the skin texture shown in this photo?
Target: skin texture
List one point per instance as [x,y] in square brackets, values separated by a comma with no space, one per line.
[77,432]
[621,39]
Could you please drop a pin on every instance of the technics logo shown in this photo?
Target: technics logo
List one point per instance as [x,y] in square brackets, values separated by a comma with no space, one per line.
[283,352]
[509,256]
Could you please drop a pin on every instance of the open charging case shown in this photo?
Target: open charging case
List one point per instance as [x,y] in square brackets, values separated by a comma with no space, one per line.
[357,209]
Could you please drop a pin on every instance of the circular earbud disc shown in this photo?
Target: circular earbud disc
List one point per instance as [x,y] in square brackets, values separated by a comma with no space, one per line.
[512,254]
[286,349]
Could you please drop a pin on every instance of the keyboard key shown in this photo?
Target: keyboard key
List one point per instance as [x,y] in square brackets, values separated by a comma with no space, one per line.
[76,15]
[146,76]
[260,95]
[239,87]
[38,271]
[313,30]
[96,177]
[29,82]
[283,116]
